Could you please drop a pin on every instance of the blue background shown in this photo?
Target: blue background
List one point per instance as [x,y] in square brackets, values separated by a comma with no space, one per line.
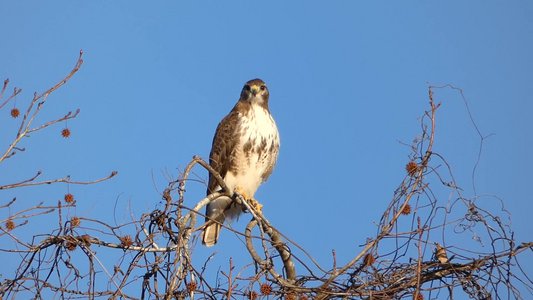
[348,83]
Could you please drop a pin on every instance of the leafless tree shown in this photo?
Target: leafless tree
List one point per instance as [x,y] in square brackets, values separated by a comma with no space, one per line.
[413,254]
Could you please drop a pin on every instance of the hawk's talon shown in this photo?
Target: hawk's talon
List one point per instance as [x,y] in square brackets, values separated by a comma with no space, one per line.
[256,205]
[241,192]
[251,201]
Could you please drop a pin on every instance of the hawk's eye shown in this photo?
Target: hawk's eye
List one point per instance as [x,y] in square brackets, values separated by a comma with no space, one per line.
[263,87]
[247,88]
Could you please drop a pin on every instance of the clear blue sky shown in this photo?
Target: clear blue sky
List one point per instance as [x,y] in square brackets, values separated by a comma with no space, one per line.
[348,81]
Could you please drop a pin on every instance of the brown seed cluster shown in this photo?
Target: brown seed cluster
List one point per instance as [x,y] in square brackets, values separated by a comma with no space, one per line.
[65,133]
[418,297]
[69,198]
[10,225]
[126,241]
[15,113]
[85,239]
[252,295]
[265,289]
[411,168]
[369,259]
[70,245]
[75,222]
[406,209]
[191,287]
[290,296]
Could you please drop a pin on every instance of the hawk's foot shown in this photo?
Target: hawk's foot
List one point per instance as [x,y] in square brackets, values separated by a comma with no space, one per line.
[256,205]
[241,192]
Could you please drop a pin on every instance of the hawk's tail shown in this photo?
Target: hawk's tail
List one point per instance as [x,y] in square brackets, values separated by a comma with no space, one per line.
[210,234]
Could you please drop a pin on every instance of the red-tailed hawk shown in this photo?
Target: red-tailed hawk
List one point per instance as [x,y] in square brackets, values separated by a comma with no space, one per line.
[244,152]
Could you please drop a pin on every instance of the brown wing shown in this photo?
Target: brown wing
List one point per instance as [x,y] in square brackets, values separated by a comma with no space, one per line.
[223,147]
[221,159]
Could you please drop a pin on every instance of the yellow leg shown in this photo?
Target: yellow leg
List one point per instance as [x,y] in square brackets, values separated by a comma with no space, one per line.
[256,205]
[241,192]
[253,203]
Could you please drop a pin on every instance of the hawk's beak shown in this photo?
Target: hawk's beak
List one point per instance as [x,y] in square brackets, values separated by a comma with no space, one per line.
[255,90]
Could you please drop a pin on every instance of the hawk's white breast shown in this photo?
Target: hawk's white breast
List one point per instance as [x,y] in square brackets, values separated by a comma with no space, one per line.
[258,134]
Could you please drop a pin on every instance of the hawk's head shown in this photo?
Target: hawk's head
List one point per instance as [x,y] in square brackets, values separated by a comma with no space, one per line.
[255,91]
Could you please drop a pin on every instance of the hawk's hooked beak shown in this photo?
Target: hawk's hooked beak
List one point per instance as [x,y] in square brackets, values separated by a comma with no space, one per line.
[254,89]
